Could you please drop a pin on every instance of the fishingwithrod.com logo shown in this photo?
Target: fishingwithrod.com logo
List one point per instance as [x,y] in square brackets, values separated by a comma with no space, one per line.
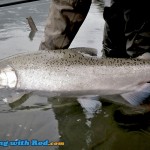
[29,143]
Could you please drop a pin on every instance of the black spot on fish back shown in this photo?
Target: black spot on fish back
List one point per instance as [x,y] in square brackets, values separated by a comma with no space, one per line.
[117,60]
[75,61]
[64,52]
[69,55]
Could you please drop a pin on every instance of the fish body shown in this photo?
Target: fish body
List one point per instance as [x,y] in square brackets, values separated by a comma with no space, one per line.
[70,72]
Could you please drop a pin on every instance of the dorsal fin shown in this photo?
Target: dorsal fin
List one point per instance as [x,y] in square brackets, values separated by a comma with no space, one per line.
[85,50]
[145,56]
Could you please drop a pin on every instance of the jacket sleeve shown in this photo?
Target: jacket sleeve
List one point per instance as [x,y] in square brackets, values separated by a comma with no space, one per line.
[64,20]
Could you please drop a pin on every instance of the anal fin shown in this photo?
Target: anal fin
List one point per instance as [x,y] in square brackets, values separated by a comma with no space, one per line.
[138,96]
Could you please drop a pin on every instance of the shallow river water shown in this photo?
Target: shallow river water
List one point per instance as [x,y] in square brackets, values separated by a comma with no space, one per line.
[87,123]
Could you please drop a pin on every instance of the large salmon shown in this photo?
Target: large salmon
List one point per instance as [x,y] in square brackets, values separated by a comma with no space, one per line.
[69,72]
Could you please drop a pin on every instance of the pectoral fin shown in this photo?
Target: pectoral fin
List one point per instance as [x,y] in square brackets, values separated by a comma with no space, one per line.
[138,96]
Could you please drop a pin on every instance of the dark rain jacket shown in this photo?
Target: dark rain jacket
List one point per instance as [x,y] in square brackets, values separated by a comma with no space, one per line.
[126,31]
